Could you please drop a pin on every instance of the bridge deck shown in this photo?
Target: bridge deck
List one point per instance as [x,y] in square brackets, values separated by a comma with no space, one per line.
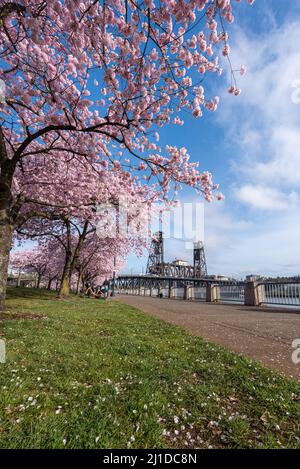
[261,334]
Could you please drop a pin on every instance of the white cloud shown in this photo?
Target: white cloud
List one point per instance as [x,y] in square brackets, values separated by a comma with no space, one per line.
[265,119]
[266,198]
[265,245]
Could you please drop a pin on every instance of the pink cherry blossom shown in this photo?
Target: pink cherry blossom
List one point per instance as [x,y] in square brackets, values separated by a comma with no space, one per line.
[89,83]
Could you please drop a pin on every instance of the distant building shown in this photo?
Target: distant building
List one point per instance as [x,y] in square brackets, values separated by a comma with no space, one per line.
[253,278]
[180,262]
[217,277]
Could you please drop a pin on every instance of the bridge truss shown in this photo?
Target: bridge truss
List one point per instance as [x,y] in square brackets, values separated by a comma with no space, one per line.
[136,282]
[157,266]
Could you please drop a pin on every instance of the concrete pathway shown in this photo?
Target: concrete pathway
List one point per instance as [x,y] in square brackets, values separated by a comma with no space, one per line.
[261,334]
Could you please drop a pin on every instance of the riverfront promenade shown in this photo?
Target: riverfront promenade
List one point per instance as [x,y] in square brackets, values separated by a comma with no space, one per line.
[262,334]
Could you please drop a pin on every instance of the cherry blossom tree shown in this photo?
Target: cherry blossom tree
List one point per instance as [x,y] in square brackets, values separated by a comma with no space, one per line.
[44,261]
[96,261]
[19,263]
[70,225]
[31,261]
[96,80]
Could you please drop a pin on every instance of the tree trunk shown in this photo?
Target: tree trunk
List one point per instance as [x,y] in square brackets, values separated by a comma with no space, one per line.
[19,279]
[64,290]
[38,281]
[7,167]
[82,284]
[6,231]
[79,282]
[77,252]
[49,284]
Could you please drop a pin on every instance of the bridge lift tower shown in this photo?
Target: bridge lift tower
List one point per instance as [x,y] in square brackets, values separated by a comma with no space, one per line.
[156,255]
[177,269]
[200,267]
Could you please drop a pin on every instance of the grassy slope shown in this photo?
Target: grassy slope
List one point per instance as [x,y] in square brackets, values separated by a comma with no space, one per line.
[96,374]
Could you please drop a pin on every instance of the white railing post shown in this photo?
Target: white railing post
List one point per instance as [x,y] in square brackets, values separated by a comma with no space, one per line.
[259,294]
[171,292]
[254,294]
[212,293]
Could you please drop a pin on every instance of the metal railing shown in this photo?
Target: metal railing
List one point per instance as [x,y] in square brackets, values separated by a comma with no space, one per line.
[232,293]
[164,293]
[197,293]
[281,293]
[178,293]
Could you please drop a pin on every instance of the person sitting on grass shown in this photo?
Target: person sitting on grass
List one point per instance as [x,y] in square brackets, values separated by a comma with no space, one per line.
[104,288]
[89,290]
[94,293]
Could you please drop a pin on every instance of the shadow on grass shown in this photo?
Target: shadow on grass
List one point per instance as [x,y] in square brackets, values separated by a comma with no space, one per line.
[32,293]
[43,294]
[21,316]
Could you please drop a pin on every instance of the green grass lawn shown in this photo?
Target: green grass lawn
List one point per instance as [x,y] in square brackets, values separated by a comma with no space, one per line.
[92,374]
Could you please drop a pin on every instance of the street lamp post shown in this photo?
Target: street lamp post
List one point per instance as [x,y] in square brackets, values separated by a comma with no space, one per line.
[113,292]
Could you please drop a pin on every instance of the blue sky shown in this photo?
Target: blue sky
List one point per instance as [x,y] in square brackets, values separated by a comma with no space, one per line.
[252,147]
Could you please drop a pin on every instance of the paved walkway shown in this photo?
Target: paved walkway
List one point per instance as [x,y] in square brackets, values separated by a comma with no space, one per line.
[262,334]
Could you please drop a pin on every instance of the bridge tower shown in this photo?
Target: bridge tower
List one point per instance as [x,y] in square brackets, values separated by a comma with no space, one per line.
[200,268]
[156,255]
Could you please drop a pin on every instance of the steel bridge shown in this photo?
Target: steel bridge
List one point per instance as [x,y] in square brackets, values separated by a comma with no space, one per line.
[176,269]
[180,280]
[173,279]
[134,281]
